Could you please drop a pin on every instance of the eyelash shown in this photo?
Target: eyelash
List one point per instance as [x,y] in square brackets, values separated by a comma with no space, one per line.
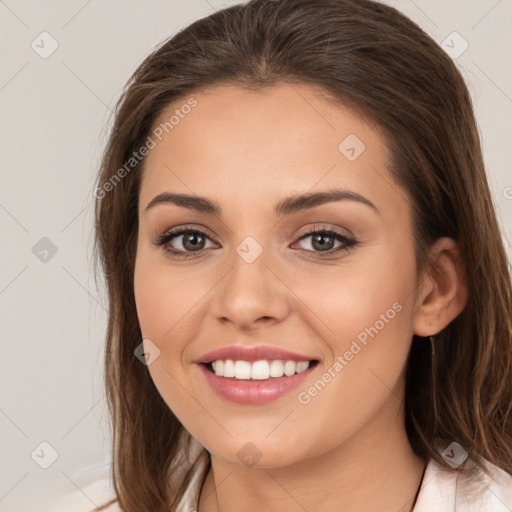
[163,241]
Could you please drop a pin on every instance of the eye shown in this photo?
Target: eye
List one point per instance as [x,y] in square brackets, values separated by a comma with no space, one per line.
[323,240]
[191,239]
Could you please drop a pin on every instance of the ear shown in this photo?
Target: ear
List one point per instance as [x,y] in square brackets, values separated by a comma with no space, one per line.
[443,289]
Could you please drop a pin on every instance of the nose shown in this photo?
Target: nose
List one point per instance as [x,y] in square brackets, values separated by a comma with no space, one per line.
[252,293]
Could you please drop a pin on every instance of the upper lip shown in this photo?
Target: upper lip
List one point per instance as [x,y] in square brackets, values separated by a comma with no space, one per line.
[237,353]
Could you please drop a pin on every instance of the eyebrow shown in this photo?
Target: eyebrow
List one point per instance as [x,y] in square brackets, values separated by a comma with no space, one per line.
[287,206]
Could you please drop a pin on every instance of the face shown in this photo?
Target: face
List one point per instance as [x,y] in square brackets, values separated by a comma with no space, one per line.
[329,281]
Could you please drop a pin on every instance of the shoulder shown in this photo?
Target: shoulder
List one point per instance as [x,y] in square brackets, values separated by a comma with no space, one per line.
[451,490]
[497,488]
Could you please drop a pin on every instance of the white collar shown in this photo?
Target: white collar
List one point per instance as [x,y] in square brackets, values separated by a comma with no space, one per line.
[449,490]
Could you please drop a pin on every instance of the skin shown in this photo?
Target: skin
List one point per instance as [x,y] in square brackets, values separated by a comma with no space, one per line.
[347,448]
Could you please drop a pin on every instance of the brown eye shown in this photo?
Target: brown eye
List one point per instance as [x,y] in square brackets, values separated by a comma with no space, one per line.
[193,241]
[190,239]
[324,240]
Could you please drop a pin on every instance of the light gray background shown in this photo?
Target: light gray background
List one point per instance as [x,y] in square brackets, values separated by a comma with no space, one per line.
[54,113]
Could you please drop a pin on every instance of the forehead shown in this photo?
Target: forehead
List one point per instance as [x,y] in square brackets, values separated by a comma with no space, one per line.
[246,147]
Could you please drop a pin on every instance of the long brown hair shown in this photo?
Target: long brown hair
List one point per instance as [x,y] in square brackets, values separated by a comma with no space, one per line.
[372,59]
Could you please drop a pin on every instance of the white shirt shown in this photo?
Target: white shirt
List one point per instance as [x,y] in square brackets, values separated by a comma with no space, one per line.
[441,490]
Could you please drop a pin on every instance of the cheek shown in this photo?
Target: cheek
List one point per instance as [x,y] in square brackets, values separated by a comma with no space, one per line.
[154,310]
[369,315]
[170,308]
[163,295]
[374,292]
[162,302]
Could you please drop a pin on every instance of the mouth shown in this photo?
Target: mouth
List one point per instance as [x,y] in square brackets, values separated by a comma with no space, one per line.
[257,382]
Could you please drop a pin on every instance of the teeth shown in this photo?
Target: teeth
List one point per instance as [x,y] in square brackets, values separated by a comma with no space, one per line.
[242,370]
[276,369]
[229,368]
[258,370]
[302,366]
[218,367]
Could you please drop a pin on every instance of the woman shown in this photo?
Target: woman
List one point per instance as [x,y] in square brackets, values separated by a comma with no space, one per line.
[310,303]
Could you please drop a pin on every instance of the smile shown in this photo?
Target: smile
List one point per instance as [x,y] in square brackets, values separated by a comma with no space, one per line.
[256,382]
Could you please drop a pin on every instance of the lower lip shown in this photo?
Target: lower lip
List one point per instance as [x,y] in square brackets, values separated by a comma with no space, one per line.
[254,392]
